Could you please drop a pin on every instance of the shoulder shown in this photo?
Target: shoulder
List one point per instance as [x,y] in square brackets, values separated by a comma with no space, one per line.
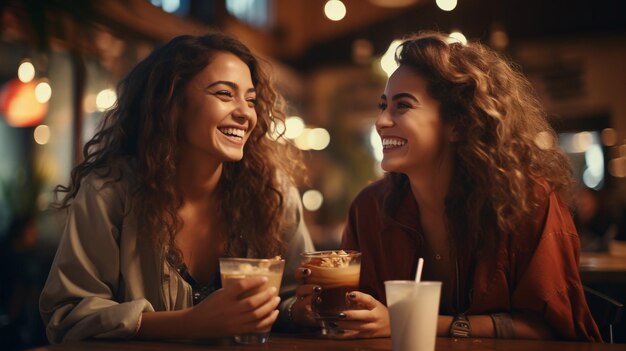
[111,183]
[371,194]
[369,200]
[551,218]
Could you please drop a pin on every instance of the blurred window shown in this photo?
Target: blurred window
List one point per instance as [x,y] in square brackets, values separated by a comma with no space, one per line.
[253,12]
[587,156]
[177,7]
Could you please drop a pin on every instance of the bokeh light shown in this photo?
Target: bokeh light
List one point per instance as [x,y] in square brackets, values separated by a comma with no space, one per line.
[105,99]
[335,10]
[447,5]
[294,127]
[26,71]
[42,134]
[388,61]
[318,138]
[457,37]
[43,92]
[312,200]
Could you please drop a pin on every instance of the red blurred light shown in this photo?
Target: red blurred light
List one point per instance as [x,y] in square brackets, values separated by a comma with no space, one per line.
[19,105]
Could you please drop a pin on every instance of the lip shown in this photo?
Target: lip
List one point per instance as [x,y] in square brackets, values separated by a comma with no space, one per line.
[234,126]
[392,149]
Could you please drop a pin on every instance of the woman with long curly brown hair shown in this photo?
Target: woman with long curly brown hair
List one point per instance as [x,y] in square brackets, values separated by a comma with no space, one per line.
[475,186]
[185,169]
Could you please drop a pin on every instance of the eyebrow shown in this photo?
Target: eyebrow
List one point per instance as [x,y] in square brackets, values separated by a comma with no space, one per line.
[232,85]
[400,96]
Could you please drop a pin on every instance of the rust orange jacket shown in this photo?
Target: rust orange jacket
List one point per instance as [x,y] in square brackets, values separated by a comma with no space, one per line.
[536,269]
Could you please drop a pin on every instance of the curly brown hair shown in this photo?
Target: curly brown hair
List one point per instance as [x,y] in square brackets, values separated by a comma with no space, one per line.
[144,126]
[498,159]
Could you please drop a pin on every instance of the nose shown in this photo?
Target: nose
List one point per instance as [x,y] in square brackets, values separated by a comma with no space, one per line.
[384,120]
[244,111]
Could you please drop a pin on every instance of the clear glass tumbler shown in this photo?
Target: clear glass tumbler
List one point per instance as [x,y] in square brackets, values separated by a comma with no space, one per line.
[337,272]
[233,269]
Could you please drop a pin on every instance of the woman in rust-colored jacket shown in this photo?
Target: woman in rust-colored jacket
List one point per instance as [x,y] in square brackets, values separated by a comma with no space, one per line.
[477,186]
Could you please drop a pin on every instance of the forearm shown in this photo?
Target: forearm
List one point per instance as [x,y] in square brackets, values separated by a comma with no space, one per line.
[165,325]
[525,326]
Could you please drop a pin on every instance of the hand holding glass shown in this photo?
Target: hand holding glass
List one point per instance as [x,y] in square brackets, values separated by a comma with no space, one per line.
[234,269]
[337,273]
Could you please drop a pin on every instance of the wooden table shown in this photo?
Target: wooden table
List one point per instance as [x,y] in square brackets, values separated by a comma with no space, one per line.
[602,268]
[299,343]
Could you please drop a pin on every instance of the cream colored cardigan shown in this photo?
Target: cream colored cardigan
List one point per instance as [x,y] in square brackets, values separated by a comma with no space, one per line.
[105,275]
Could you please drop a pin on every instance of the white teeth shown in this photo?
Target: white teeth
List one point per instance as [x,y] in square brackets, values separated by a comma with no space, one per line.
[239,133]
[393,142]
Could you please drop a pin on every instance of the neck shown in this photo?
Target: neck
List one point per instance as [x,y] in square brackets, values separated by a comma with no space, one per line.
[430,185]
[198,180]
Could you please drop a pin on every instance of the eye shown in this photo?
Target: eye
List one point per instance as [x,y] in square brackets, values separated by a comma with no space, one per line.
[403,105]
[382,106]
[225,93]
[251,102]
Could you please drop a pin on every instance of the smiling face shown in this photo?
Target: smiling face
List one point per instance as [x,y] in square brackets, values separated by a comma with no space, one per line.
[218,113]
[413,134]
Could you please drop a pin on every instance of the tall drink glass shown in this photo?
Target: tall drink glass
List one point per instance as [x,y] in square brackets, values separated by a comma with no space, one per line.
[413,312]
[337,272]
[234,269]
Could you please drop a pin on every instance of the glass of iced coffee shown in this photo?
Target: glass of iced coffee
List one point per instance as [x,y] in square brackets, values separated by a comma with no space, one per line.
[337,272]
[233,269]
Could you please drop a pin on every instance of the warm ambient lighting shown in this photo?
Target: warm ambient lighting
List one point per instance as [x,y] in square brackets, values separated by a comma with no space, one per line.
[376,144]
[20,105]
[318,138]
[393,3]
[447,5]
[457,37]
[294,127]
[43,92]
[312,200]
[388,61]
[105,99]
[42,134]
[335,10]
[609,136]
[26,71]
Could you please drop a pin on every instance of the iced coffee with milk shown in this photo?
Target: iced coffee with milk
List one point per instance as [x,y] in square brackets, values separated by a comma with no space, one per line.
[337,272]
[234,269]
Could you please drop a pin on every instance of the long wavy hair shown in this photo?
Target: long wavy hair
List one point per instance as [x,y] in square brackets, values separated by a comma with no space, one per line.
[506,145]
[144,126]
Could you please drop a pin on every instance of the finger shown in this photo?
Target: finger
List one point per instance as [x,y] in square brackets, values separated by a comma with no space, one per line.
[364,300]
[264,324]
[264,309]
[255,301]
[302,313]
[358,315]
[301,274]
[306,290]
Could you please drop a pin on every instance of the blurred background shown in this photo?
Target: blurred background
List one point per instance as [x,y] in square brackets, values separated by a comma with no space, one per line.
[60,61]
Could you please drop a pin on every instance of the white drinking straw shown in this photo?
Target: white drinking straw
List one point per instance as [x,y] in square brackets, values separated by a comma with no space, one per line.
[420,266]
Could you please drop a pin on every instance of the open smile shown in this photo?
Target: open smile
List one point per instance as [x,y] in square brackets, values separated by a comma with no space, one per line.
[391,143]
[233,134]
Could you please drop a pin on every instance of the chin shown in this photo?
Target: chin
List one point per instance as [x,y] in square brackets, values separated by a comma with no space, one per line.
[233,157]
[388,166]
